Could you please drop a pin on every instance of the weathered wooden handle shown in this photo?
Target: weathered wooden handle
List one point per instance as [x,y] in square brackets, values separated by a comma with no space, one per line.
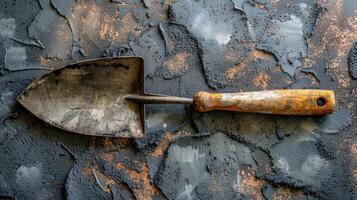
[283,102]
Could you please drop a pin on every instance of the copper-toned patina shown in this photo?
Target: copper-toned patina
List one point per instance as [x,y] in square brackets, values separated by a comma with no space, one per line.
[106,97]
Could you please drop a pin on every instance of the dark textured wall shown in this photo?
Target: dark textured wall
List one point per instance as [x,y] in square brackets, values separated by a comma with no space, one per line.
[188,46]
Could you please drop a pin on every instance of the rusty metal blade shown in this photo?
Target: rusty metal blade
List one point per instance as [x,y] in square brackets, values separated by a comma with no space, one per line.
[88,97]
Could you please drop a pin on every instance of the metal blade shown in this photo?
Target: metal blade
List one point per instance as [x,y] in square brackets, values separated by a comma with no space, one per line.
[88,97]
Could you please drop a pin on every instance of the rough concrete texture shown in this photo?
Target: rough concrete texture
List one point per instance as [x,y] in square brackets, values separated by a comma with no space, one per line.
[205,167]
[188,46]
[352,61]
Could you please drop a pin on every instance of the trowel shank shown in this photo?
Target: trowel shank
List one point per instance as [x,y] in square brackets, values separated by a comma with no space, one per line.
[159,99]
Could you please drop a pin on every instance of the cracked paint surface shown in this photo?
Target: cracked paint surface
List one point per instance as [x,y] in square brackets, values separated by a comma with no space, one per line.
[188,46]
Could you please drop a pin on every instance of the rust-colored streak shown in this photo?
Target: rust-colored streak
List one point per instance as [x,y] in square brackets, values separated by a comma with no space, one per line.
[240,69]
[262,80]
[231,54]
[178,62]
[114,143]
[285,102]
[163,145]
[169,2]
[46,62]
[354,150]
[354,174]
[62,31]
[165,142]
[261,54]
[108,157]
[335,34]
[87,171]
[148,189]
[250,185]
[284,193]
[89,16]
[236,71]
[95,22]
[108,30]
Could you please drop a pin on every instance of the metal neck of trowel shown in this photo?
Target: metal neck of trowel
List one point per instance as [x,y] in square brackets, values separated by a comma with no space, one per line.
[158,99]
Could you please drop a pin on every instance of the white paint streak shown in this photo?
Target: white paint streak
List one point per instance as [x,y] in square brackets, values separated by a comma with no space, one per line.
[7,28]
[184,154]
[312,165]
[291,27]
[157,119]
[204,25]
[236,184]
[303,8]
[291,34]
[186,194]
[15,58]
[26,175]
[283,164]
[7,101]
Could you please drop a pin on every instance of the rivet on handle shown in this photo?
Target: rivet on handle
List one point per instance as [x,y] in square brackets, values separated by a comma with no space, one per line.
[321,101]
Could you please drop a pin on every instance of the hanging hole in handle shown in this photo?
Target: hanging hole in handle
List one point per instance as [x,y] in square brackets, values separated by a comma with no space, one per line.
[321,101]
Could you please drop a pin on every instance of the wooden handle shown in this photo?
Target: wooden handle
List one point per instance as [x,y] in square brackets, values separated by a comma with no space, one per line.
[283,102]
